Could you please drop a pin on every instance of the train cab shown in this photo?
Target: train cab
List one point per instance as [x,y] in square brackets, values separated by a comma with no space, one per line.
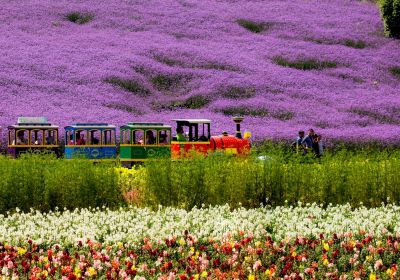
[192,135]
[140,141]
[32,134]
[95,141]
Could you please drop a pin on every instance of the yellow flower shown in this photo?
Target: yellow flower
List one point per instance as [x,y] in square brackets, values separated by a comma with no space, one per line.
[204,274]
[45,273]
[368,258]
[372,276]
[325,262]
[77,272]
[258,243]
[92,272]
[268,273]
[294,254]
[196,276]
[21,251]
[120,245]
[182,242]
[192,249]
[390,272]
[326,246]
[251,277]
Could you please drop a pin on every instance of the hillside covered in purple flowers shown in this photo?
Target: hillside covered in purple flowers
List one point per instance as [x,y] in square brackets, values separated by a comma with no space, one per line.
[284,65]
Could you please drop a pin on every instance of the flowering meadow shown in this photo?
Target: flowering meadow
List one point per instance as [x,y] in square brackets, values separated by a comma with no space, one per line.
[303,242]
[285,65]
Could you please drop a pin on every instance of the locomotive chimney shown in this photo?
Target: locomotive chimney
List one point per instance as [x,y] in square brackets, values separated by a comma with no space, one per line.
[238,120]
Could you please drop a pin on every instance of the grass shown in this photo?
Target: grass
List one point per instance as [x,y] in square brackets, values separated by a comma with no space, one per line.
[304,64]
[79,18]
[377,116]
[239,93]
[193,102]
[45,182]
[252,26]
[124,107]
[359,44]
[244,111]
[129,85]
[395,71]
[167,82]
[284,178]
[256,112]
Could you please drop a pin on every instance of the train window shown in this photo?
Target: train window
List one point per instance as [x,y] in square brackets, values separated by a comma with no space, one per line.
[137,137]
[11,137]
[80,137]
[36,137]
[22,137]
[126,137]
[51,137]
[151,137]
[204,132]
[94,137]
[164,137]
[69,137]
[109,137]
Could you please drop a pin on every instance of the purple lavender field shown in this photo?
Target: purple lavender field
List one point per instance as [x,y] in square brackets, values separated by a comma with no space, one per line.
[285,65]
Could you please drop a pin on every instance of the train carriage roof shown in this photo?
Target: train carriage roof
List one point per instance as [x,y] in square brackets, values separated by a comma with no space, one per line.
[192,121]
[151,125]
[86,126]
[33,123]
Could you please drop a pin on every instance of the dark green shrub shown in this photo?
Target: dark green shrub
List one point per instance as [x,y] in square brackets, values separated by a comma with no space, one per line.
[239,93]
[124,107]
[80,18]
[304,64]
[255,27]
[359,44]
[390,11]
[193,102]
[166,82]
[244,111]
[395,71]
[129,85]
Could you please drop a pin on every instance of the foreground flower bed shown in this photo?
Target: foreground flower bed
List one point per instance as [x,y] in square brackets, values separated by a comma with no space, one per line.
[212,243]
[339,256]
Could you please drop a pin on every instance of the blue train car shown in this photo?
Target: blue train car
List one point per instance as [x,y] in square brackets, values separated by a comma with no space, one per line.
[90,140]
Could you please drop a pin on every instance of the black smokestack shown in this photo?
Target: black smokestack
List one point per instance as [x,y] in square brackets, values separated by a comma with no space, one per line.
[238,120]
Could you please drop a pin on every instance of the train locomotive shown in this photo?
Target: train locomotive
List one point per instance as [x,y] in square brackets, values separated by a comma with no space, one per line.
[138,141]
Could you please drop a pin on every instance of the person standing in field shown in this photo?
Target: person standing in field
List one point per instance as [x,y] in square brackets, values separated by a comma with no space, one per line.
[307,141]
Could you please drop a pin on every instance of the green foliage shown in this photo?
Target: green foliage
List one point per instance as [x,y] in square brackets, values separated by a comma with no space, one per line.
[304,64]
[167,82]
[244,111]
[193,102]
[359,44]
[284,177]
[395,71]
[390,11]
[80,18]
[256,112]
[124,107]
[239,93]
[45,182]
[387,118]
[129,85]
[255,27]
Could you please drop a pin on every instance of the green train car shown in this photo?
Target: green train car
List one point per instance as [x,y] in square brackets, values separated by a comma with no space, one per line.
[141,141]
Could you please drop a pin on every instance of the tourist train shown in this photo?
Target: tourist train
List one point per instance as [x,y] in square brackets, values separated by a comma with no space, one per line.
[137,142]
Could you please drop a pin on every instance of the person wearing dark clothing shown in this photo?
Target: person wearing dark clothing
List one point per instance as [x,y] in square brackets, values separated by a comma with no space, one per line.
[307,142]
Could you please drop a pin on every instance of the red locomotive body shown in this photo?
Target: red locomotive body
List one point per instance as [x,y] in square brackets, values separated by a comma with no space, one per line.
[197,139]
